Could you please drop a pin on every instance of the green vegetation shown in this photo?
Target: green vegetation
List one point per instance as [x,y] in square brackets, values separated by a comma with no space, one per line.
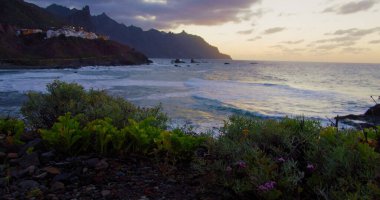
[252,158]
[43,110]
[12,129]
[293,158]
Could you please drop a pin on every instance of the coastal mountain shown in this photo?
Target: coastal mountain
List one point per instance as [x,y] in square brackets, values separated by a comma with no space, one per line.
[36,51]
[26,15]
[24,41]
[153,43]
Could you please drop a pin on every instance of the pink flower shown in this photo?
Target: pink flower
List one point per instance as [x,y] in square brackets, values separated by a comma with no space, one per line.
[281,159]
[241,164]
[228,169]
[310,167]
[267,186]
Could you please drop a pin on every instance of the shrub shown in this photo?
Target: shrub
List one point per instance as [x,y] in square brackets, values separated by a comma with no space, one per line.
[43,110]
[66,136]
[293,158]
[13,129]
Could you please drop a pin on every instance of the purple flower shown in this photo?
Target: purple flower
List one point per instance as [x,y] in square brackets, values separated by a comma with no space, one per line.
[267,186]
[228,169]
[281,159]
[241,164]
[310,167]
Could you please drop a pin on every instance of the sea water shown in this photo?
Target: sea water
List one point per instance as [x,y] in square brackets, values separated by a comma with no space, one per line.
[204,94]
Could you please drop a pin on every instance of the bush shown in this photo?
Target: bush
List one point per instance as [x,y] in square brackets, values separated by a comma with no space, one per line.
[293,158]
[12,129]
[43,110]
[69,137]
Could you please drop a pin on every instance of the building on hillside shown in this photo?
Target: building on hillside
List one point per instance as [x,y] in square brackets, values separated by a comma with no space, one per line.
[71,32]
[28,31]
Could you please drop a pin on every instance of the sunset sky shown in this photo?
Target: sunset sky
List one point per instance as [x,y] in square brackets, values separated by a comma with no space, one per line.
[300,30]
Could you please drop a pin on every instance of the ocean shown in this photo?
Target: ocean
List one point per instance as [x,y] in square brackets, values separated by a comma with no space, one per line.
[204,94]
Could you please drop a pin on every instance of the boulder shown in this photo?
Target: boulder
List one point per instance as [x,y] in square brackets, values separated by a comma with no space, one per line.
[57,186]
[28,184]
[29,160]
[32,144]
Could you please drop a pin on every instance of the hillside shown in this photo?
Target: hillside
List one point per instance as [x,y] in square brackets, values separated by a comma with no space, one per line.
[26,15]
[153,43]
[36,51]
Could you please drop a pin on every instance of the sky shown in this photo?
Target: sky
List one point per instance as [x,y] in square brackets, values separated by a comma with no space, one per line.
[288,30]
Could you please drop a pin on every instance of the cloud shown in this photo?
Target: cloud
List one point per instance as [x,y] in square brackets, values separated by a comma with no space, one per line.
[284,49]
[274,30]
[354,32]
[344,38]
[254,39]
[166,13]
[293,42]
[245,32]
[351,7]
[374,42]
[353,50]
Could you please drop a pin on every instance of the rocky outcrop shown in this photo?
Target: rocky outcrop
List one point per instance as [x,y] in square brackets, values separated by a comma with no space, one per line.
[373,111]
[371,118]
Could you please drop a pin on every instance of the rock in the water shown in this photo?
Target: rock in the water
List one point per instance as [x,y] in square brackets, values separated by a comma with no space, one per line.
[57,186]
[28,184]
[29,160]
[2,136]
[373,111]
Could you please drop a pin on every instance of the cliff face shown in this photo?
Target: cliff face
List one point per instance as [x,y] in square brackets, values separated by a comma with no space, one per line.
[153,43]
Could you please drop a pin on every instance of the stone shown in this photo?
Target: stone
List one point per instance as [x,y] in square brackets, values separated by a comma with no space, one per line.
[28,184]
[41,176]
[31,144]
[106,193]
[29,170]
[57,186]
[52,170]
[51,197]
[62,177]
[29,160]
[12,155]
[91,162]
[2,155]
[101,165]
[2,136]
[47,155]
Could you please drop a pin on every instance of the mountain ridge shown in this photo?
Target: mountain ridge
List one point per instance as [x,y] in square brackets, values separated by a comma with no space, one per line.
[153,43]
